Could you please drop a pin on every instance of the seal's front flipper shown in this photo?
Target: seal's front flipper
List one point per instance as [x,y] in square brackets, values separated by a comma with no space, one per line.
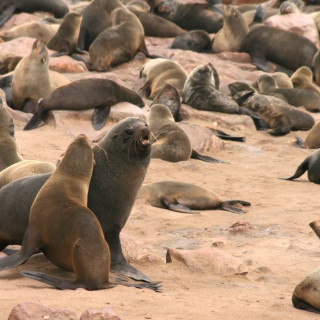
[100,117]
[173,205]
[225,136]
[196,155]
[303,167]
[7,13]
[258,60]
[300,304]
[124,268]
[52,281]
[15,259]
[34,121]
[155,286]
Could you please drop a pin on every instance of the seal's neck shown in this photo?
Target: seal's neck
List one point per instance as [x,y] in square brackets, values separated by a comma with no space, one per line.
[9,157]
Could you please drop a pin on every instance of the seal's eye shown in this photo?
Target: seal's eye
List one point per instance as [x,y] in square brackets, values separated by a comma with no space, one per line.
[129,132]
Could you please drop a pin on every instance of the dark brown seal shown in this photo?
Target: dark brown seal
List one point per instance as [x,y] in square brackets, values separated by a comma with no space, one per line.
[65,41]
[188,16]
[185,197]
[119,43]
[266,43]
[104,93]
[9,7]
[121,161]
[8,63]
[169,141]
[234,29]
[194,40]
[310,164]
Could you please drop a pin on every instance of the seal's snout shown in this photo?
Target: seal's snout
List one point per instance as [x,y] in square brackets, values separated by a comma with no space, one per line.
[145,137]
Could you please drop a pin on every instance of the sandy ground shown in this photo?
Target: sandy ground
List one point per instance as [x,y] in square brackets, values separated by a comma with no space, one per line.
[279,252]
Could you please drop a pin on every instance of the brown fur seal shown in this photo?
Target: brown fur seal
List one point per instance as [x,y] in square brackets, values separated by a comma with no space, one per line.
[9,150]
[35,29]
[66,39]
[8,7]
[302,78]
[64,229]
[188,16]
[169,141]
[312,140]
[310,164]
[296,97]
[158,73]
[169,96]
[32,79]
[8,63]
[282,80]
[121,161]
[194,40]
[24,168]
[104,93]
[316,67]
[278,115]
[153,25]
[266,43]
[234,29]
[185,197]
[119,43]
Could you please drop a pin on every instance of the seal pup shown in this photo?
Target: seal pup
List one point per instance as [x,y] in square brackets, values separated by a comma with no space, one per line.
[234,29]
[310,164]
[282,80]
[8,63]
[66,231]
[302,78]
[295,96]
[66,39]
[189,16]
[194,40]
[169,141]
[316,67]
[265,43]
[121,158]
[35,29]
[185,197]
[119,43]
[8,7]
[104,93]
[312,140]
[159,72]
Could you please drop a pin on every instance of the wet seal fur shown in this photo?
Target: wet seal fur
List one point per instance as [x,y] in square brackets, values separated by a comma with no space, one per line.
[186,197]
[104,93]
[64,229]
[169,141]
[121,161]
[310,164]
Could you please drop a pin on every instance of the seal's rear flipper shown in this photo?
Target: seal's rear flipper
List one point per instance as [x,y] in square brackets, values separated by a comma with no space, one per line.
[196,155]
[100,117]
[225,136]
[155,286]
[258,60]
[7,13]
[52,281]
[300,304]
[228,206]
[34,121]
[299,142]
[15,259]
[303,167]
[258,122]
[173,205]
[259,15]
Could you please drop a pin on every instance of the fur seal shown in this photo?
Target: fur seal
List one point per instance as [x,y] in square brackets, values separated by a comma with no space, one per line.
[316,67]
[24,168]
[302,78]
[66,231]
[282,80]
[104,93]
[121,161]
[296,97]
[169,141]
[8,146]
[312,140]
[169,96]
[266,43]
[189,16]
[158,73]
[310,164]
[35,29]
[278,115]
[234,29]
[8,7]
[8,63]
[194,40]
[32,79]
[119,43]
[185,197]
[66,39]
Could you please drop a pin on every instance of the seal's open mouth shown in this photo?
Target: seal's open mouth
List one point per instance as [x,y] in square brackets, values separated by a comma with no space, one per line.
[144,138]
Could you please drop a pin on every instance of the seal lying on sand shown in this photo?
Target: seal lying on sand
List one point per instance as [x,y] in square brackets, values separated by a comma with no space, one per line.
[185,197]
[64,229]
[121,161]
[104,93]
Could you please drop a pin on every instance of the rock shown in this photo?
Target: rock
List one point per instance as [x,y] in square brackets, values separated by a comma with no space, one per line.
[151,259]
[20,46]
[207,260]
[18,19]
[66,64]
[129,247]
[241,226]
[37,311]
[105,313]
[299,23]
